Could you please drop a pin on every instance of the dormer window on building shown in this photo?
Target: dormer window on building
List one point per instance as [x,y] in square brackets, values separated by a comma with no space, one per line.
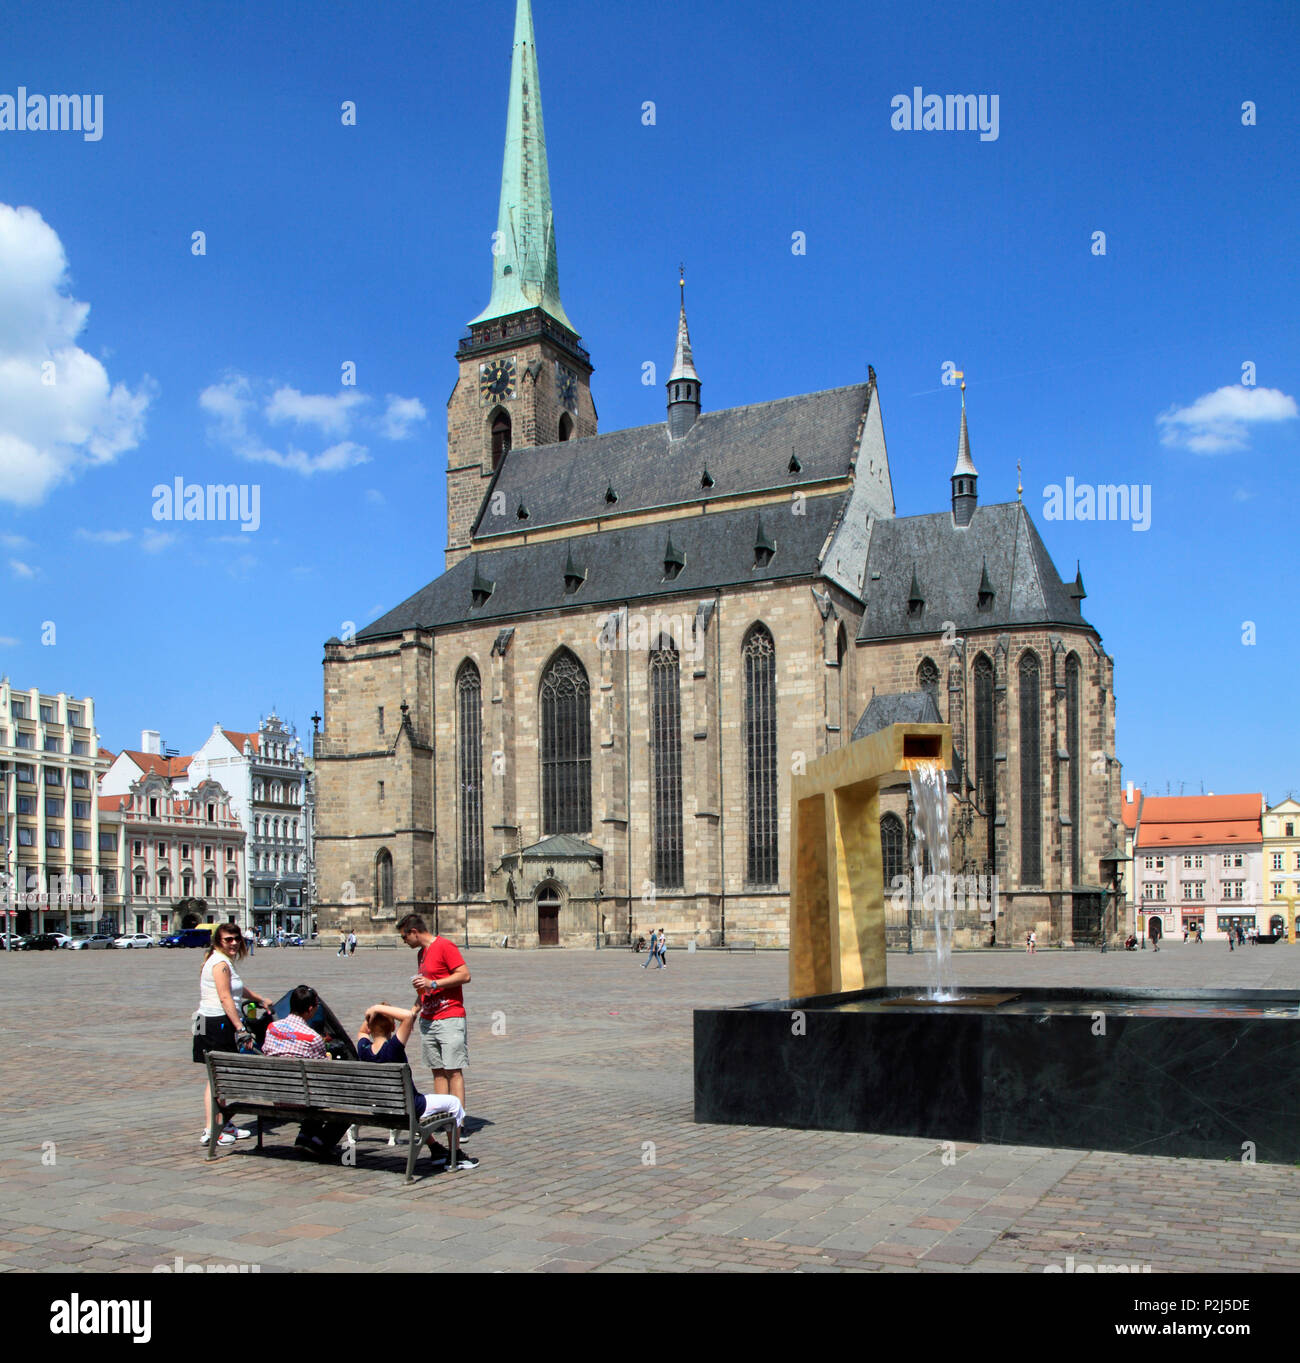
[574,576]
[764,547]
[706,479]
[674,560]
[481,588]
[984,597]
[794,465]
[915,601]
[610,495]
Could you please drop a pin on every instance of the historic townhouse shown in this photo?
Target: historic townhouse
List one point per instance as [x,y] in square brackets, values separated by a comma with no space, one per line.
[587,725]
[174,850]
[1281,849]
[50,763]
[1199,863]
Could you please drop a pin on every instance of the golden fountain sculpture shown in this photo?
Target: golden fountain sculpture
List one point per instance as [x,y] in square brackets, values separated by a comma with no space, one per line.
[837,893]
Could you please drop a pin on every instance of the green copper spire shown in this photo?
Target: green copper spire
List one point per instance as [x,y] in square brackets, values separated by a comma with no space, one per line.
[525,273]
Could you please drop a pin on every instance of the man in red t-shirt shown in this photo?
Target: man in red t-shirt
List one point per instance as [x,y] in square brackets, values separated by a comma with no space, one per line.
[440,973]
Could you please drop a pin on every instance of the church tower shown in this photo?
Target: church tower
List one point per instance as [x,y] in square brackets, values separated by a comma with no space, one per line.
[525,378]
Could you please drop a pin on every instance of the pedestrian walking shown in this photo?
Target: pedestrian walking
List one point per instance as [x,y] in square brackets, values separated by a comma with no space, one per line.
[1200,936]
[1186,930]
[352,944]
[663,949]
[343,944]
[653,953]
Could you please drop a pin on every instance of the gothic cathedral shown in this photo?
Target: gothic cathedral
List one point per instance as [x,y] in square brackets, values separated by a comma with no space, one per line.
[589,722]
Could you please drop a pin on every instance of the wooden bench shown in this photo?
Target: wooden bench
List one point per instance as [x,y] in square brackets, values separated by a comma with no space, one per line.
[359,1092]
[742,946]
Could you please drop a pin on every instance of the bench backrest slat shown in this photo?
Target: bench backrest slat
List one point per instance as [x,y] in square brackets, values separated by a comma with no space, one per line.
[349,1086]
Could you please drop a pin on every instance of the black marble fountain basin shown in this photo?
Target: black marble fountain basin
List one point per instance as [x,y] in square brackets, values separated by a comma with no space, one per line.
[1210,1074]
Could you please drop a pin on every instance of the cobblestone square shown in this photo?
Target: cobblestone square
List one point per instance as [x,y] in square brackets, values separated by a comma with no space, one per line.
[580,1087]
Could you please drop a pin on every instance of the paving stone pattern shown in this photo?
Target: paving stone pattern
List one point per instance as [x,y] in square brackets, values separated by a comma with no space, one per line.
[590,1159]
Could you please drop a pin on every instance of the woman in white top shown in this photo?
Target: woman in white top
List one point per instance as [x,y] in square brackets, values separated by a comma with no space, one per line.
[220,1016]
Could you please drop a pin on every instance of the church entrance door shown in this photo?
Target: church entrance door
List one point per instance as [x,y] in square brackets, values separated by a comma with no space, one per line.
[548,919]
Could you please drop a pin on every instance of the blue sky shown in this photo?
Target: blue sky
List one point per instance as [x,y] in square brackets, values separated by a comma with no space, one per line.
[369,244]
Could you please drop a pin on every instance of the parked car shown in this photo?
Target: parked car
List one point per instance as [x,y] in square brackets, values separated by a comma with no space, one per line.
[40,941]
[172,939]
[11,941]
[136,939]
[96,942]
[194,937]
[61,939]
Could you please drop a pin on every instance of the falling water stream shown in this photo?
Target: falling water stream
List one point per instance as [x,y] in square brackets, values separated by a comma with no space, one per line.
[931,871]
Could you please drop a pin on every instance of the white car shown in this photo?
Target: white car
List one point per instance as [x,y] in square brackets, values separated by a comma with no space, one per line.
[61,938]
[139,939]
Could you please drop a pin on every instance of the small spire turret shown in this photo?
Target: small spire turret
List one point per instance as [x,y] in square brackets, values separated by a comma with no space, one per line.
[964,474]
[683,383]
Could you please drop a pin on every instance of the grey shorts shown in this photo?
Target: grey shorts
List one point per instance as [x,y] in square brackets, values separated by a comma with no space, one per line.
[444,1045]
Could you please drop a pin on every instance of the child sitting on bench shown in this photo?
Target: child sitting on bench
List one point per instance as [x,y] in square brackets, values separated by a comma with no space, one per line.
[384,1033]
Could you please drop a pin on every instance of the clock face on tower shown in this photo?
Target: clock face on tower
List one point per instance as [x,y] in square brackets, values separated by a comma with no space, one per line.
[496,379]
[566,382]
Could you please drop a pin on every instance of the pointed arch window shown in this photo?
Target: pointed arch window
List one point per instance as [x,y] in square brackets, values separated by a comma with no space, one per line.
[892,849]
[1073,673]
[384,880]
[469,776]
[927,679]
[760,756]
[501,436]
[566,427]
[666,763]
[566,746]
[1031,771]
[985,780]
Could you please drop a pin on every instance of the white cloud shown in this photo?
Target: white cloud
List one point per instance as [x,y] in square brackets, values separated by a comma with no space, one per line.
[330,413]
[15,542]
[400,416]
[59,411]
[6,641]
[20,569]
[375,497]
[236,413]
[104,536]
[155,541]
[1241,495]
[1221,420]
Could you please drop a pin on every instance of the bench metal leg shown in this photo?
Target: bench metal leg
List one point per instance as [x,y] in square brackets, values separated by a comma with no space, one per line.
[259,1131]
[412,1152]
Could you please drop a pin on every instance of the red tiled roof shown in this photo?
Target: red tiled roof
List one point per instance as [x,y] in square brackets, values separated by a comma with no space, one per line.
[155,762]
[238,740]
[1189,820]
[112,801]
[107,756]
[1128,809]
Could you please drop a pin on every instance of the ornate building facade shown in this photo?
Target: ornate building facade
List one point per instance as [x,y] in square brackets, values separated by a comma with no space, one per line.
[587,726]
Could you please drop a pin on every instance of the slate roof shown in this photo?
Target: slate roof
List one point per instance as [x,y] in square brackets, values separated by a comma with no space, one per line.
[897,707]
[744,448]
[621,564]
[948,560]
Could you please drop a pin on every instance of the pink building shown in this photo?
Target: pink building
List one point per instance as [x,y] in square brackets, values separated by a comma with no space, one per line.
[173,849]
[1199,863]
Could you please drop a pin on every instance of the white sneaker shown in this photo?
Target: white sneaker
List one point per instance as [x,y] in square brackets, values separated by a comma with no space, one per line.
[224,1139]
[240,1133]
